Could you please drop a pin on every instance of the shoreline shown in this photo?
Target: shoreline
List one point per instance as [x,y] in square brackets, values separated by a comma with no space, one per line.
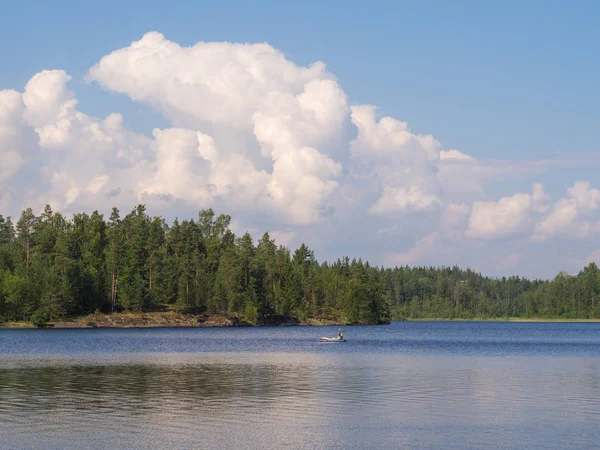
[508,319]
[168,319]
[172,319]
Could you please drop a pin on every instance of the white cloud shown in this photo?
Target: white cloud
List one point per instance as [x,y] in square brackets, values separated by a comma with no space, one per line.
[286,113]
[50,107]
[218,82]
[97,183]
[530,213]
[277,146]
[455,217]
[76,155]
[572,215]
[11,163]
[584,196]
[179,165]
[449,155]
[404,199]
[507,216]
[13,135]
[404,163]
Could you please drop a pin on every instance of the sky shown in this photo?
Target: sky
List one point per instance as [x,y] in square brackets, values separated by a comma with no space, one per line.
[419,133]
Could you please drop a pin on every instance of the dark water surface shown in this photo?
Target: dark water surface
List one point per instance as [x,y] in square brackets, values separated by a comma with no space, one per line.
[407,385]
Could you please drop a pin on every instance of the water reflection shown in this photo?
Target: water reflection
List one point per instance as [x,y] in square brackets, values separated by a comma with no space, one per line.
[349,399]
[302,403]
[197,402]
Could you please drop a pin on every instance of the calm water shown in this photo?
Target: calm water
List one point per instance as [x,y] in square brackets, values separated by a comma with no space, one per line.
[406,385]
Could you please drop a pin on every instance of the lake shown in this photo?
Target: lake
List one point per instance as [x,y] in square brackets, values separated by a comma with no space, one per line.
[430,385]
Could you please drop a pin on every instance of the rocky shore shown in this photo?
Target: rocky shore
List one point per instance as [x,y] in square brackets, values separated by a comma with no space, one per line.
[168,319]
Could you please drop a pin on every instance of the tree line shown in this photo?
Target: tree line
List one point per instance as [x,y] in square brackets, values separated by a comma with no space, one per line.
[52,267]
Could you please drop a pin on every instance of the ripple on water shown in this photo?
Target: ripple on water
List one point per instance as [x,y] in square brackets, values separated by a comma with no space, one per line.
[453,389]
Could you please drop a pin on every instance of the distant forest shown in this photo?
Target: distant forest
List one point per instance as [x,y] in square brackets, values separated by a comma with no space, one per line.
[52,268]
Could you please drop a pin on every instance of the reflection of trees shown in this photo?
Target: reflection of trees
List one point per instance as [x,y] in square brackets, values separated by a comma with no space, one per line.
[135,387]
[139,388]
[280,401]
[209,404]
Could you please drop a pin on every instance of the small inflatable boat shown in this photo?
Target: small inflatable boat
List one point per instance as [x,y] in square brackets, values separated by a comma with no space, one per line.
[326,339]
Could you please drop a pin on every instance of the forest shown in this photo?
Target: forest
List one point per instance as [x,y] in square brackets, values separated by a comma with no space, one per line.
[52,267]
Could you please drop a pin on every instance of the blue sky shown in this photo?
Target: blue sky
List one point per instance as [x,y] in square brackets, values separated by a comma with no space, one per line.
[514,81]
[520,77]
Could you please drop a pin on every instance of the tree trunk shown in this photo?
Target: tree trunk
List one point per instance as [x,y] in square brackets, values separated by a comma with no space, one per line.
[112,292]
[27,257]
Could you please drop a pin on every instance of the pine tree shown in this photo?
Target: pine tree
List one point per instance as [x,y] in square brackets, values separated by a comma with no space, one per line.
[25,229]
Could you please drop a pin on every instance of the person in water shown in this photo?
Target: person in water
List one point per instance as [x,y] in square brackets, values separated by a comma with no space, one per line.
[340,334]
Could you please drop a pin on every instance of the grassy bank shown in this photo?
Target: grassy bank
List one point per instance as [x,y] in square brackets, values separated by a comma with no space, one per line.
[502,319]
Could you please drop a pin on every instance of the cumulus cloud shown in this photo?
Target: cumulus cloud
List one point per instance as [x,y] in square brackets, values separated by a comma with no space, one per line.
[17,143]
[290,115]
[572,215]
[77,157]
[277,146]
[404,162]
[455,155]
[217,82]
[50,107]
[455,217]
[505,217]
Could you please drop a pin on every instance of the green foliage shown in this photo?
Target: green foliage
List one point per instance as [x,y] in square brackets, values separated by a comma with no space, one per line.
[52,267]
[39,318]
